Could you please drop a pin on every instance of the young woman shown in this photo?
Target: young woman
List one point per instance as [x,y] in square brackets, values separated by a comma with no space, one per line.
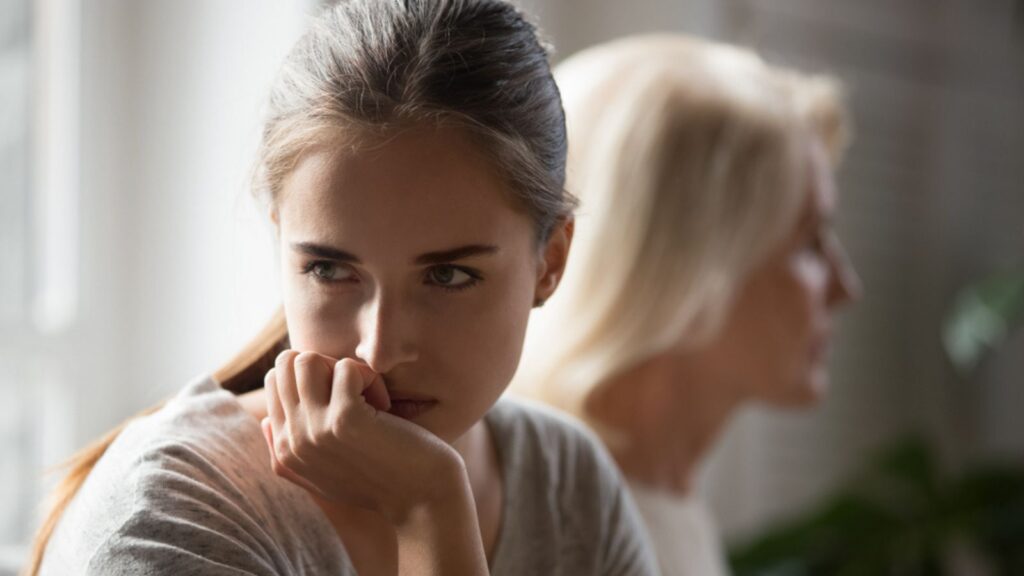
[413,166]
[705,272]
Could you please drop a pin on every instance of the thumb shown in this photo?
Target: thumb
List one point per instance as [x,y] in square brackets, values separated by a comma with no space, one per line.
[374,390]
[376,394]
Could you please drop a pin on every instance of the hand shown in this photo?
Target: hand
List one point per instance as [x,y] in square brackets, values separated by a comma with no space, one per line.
[329,432]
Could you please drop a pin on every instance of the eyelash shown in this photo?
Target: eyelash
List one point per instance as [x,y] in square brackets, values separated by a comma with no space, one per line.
[474,276]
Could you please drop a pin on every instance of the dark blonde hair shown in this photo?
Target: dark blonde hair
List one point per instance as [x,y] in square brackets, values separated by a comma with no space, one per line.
[372,67]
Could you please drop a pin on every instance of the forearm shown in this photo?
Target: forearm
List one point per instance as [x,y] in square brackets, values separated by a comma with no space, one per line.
[442,537]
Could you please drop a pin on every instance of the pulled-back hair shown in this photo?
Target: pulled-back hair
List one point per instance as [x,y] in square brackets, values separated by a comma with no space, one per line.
[378,66]
[370,67]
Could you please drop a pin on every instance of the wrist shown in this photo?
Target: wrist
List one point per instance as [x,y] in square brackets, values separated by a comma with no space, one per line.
[449,492]
[442,535]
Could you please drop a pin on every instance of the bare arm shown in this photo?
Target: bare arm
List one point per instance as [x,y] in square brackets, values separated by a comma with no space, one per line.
[442,536]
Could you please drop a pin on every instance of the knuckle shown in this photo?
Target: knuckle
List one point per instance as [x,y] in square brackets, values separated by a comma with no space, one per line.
[346,365]
[285,358]
[306,359]
[282,448]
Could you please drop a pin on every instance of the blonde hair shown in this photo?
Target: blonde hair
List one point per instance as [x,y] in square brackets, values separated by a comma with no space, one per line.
[688,159]
[369,68]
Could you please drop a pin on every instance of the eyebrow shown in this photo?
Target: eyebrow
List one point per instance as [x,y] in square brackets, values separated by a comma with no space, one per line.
[459,253]
[438,257]
[325,252]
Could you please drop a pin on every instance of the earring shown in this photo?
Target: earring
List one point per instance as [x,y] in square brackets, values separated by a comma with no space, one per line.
[538,302]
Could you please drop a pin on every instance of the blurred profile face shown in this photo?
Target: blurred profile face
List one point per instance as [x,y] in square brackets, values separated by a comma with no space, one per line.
[410,257]
[776,338]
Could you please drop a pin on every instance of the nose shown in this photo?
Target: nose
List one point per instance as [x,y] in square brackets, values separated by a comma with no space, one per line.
[384,335]
[844,283]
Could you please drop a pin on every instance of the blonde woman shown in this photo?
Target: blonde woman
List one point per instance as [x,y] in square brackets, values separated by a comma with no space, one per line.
[413,164]
[705,271]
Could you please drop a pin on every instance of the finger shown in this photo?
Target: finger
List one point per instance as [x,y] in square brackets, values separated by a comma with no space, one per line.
[377,394]
[374,390]
[268,436]
[313,379]
[279,468]
[274,409]
[347,386]
[286,390]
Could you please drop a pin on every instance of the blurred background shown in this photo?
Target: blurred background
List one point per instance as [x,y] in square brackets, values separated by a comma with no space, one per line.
[133,259]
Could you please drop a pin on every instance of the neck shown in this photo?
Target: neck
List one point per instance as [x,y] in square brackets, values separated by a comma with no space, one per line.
[661,417]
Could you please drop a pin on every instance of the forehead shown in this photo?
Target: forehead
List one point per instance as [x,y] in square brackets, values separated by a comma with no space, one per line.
[424,187]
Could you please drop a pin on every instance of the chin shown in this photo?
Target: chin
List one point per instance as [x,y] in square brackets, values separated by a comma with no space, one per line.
[803,393]
[813,390]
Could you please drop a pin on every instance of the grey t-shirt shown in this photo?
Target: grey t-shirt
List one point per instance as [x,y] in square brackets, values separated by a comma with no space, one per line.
[188,490]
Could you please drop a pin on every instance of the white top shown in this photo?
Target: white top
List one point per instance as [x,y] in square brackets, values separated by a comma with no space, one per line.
[189,490]
[683,533]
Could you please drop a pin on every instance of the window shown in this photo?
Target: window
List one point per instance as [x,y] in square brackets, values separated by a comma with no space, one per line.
[16,487]
[38,250]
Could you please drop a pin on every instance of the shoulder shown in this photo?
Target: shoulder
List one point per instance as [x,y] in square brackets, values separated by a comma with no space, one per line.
[200,440]
[189,484]
[535,437]
[552,430]
[570,492]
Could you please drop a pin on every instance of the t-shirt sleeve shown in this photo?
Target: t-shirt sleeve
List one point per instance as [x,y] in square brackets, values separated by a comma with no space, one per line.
[626,546]
[187,517]
[602,529]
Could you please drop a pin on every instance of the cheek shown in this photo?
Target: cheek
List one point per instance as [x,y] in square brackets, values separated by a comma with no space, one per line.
[476,345]
[800,311]
[318,322]
[807,283]
[777,317]
[486,337]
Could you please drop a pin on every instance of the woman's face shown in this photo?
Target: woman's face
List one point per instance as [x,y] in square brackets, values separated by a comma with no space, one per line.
[776,338]
[410,257]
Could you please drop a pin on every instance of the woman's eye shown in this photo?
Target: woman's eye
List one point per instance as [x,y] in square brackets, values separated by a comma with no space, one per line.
[452,277]
[327,272]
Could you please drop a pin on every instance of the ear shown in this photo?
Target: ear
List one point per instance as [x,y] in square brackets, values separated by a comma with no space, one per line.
[553,256]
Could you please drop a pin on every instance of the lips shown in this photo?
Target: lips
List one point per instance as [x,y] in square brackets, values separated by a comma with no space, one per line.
[409,405]
[821,344]
[410,408]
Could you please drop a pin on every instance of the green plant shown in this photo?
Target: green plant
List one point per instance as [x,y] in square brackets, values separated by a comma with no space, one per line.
[984,315]
[901,518]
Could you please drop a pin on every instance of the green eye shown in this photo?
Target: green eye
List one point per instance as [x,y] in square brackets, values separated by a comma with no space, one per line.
[442,275]
[328,272]
[452,277]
